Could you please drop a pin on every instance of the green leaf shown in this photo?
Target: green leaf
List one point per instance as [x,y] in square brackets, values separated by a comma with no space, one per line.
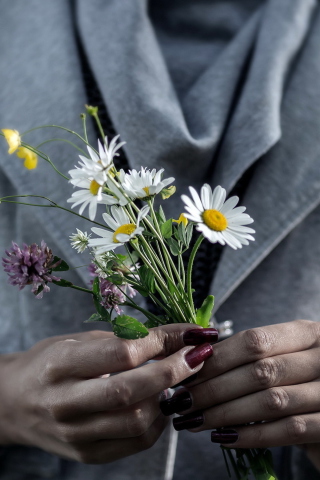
[150,323]
[62,283]
[182,233]
[103,312]
[96,286]
[116,279]
[129,328]
[205,311]
[147,278]
[168,192]
[62,267]
[174,246]
[162,214]
[95,317]
[143,291]
[189,231]
[166,228]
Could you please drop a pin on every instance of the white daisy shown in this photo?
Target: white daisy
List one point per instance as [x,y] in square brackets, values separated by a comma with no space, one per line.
[144,183]
[122,230]
[97,166]
[217,220]
[79,240]
[91,195]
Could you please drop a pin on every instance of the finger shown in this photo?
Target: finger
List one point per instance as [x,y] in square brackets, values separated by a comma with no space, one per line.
[126,423]
[281,370]
[104,451]
[267,405]
[293,430]
[251,345]
[108,355]
[128,388]
[79,336]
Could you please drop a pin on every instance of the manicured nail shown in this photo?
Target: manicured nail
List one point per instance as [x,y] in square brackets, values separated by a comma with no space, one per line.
[197,336]
[186,380]
[198,355]
[191,420]
[178,403]
[224,436]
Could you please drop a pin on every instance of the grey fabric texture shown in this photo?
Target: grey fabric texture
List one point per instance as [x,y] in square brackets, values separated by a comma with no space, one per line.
[203,89]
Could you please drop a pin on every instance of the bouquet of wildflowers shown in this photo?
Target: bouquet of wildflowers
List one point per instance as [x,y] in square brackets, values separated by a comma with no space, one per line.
[133,247]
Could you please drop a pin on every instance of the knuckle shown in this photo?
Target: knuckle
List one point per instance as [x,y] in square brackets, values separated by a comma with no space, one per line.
[67,434]
[136,423]
[122,394]
[276,399]
[147,440]
[57,355]
[258,342]
[266,372]
[56,410]
[126,354]
[296,428]
[169,374]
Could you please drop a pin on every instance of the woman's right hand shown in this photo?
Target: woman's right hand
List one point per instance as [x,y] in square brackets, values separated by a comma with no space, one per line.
[58,395]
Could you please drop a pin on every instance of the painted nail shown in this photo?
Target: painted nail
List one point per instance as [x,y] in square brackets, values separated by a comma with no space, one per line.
[197,336]
[224,436]
[186,381]
[178,403]
[191,420]
[198,355]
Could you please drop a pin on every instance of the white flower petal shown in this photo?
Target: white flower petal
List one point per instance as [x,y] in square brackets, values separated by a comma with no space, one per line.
[196,199]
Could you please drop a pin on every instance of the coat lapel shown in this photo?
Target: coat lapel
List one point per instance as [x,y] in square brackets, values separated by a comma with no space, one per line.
[286,183]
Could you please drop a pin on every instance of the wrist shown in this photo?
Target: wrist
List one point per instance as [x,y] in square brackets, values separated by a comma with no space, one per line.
[7,398]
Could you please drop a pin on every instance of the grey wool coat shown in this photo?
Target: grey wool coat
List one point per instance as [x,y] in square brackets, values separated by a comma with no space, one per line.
[204,89]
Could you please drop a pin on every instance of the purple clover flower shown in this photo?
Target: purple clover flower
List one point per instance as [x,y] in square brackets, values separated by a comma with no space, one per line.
[30,265]
[112,295]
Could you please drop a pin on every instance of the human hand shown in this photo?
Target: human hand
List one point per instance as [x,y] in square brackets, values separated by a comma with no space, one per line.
[56,395]
[269,375]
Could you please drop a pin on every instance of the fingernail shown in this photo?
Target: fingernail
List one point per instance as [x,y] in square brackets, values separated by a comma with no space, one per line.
[186,381]
[198,355]
[191,420]
[197,336]
[224,436]
[178,403]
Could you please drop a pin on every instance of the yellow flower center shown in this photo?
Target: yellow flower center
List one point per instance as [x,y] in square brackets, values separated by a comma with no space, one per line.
[127,228]
[94,187]
[215,220]
[146,189]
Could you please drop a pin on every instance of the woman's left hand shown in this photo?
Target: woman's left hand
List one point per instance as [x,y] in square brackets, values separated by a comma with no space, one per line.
[269,375]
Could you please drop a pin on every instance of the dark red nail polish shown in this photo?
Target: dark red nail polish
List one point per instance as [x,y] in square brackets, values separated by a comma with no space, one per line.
[178,403]
[186,381]
[198,355]
[197,336]
[191,420]
[224,436]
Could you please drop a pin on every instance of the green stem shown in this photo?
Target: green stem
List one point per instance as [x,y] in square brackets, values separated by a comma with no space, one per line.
[45,157]
[84,123]
[97,119]
[145,312]
[62,140]
[53,205]
[189,270]
[75,287]
[56,126]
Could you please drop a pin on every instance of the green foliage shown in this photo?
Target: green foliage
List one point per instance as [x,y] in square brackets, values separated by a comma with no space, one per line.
[129,328]
[96,286]
[147,278]
[166,228]
[62,283]
[95,317]
[62,267]
[174,246]
[168,192]
[205,311]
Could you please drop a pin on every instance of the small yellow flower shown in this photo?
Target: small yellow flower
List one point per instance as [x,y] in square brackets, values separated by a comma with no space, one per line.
[13,139]
[182,219]
[31,159]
